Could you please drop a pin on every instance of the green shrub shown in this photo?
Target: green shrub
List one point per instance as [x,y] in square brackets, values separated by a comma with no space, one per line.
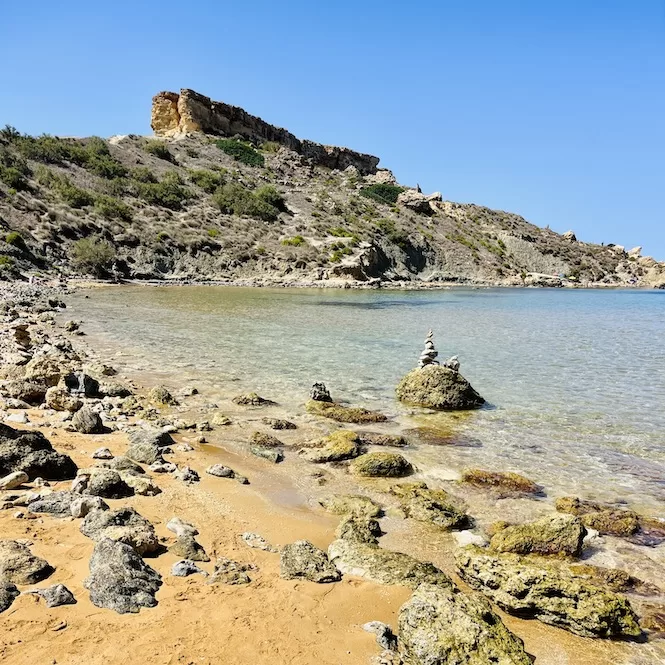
[100,161]
[340,232]
[112,208]
[159,149]
[382,192]
[9,133]
[339,252]
[13,178]
[272,196]
[142,174]
[234,199]
[296,241]
[6,263]
[271,146]
[71,194]
[169,192]
[14,238]
[260,250]
[213,233]
[241,152]
[162,236]
[208,181]
[93,255]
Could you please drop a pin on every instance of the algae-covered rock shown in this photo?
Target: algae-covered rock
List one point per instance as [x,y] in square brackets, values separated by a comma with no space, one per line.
[437,387]
[340,445]
[252,399]
[344,414]
[352,504]
[278,423]
[432,506]
[535,589]
[500,482]
[302,559]
[552,534]
[440,625]
[378,439]
[162,396]
[383,566]
[265,440]
[603,518]
[381,465]
[359,529]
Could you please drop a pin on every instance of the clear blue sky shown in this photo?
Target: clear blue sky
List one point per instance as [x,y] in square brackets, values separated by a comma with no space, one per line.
[551,109]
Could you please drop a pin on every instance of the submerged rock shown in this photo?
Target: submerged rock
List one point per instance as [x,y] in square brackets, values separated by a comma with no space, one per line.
[502,483]
[344,414]
[552,534]
[119,579]
[302,559]
[278,423]
[19,565]
[440,624]
[605,519]
[338,446]
[432,506]
[252,399]
[437,387]
[124,525]
[534,589]
[377,439]
[352,504]
[381,465]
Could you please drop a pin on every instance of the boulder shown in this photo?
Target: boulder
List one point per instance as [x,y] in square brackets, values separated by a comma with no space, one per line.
[265,440]
[381,465]
[44,369]
[187,548]
[432,506]
[56,595]
[8,594]
[124,525]
[417,201]
[106,483]
[59,399]
[161,396]
[278,423]
[274,456]
[340,445]
[181,528]
[13,480]
[320,393]
[102,453]
[377,439]
[383,566]
[352,504]
[359,529]
[534,589]
[552,534]
[441,624]
[80,383]
[252,399]
[437,387]
[230,572]
[604,518]
[344,414]
[56,503]
[140,484]
[33,392]
[86,421]
[302,559]
[504,484]
[220,471]
[119,579]
[147,445]
[19,565]
[186,475]
[82,505]
[258,542]
[122,463]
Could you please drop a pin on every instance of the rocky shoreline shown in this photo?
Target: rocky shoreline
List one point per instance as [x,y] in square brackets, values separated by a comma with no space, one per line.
[122,478]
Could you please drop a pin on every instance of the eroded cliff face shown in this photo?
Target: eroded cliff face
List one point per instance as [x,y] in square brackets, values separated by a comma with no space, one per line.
[190,112]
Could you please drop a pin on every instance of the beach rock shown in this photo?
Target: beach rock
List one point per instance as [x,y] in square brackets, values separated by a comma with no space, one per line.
[385,637]
[274,456]
[122,463]
[19,566]
[258,542]
[56,503]
[140,484]
[613,579]
[340,445]
[8,594]
[265,440]
[147,446]
[252,399]
[56,595]
[352,504]
[44,369]
[437,387]
[119,579]
[59,399]
[320,393]
[552,534]
[163,467]
[605,519]
[302,559]
[376,439]
[278,423]
[124,525]
[432,506]
[181,528]
[187,548]
[359,529]
[86,421]
[186,475]
[102,453]
[107,484]
[32,392]
[502,483]
[533,589]
[32,453]
[220,471]
[161,396]
[19,418]
[230,572]
[464,538]
[383,566]
[80,506]
[108,389]
[344,414]
[441,624]
[13,480]
[80,383]
[381,465]
[220,420]
[184,568]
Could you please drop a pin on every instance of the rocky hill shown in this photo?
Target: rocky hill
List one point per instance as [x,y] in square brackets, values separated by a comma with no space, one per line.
[219,194]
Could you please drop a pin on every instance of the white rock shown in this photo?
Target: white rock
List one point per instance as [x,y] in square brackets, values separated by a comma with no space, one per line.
[20,418]
[181,528]
[13,480]
[464,538]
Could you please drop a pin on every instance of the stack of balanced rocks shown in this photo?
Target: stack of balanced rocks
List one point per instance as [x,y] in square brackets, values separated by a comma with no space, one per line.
[437,386]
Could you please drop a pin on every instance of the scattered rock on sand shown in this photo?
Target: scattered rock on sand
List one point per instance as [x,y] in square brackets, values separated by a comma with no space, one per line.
[186,475]
[359,529]
[220,471]
[146,446]
[503,483]
[86,421]
[124,525]
[385,637]
[437,387]
[278,423]
[55,503]
[344,414]
[188,548]
[338,446]
[122,463]
[443,625]
[59,399]
[56,595]
[184,568]
[302,559]
[140,484]
[181,528]
[119,579]
[82,505]
[552,534]
[258,542]
[102,453]
[19,565]
[8,594]
[352,504]
[534,589]
[161,396]
[106,483]
[265,440]
[434,506]
[13,480]
[252,399]
[230,572]
[274,456]
[381,465]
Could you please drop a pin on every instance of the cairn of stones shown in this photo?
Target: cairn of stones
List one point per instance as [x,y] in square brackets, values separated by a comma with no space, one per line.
[452,363]
[429,354]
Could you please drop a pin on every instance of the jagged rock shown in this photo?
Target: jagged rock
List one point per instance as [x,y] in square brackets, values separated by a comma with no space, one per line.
[146,446]
[532,589]
[160,395]
[86,421]
[13,480]
[182,528]
[340,445]
[122,463]
[502,483]
[383,566]
[59,399]
[20,418]
[302,559]
[278,423]
[437,387]
[44,369]
[187,475]
[19,565]
[613,579]
[80,506]
[344,414]
[376,439]
[384,465]
[258,542]
[220,420]
[220,471]
[274,456]
[119,579]
[432,506]
[32,392]
[603,518]
[124,525]
[8,594]
[187,548]
[80,383]
[107,389]
[440,625]
[265,440]
[359,529]
[252,399]
[56,503]
[185,568]
[552,534]
[140,484]
[319,393]
[385,637]
[230,572]
[418,202]
[106,483]
[569,236]
[102,453]
[56,595]
[352,504]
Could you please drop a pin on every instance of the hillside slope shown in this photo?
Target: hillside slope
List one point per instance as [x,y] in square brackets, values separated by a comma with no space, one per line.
[254,203]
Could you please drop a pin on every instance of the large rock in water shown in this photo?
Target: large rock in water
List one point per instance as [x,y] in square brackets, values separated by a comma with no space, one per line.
[32,453]
[551,594]
[119,579]
[440,625]
[432,506]
[437,387]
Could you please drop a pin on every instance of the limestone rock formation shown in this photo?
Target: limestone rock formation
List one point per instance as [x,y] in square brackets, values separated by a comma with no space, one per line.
[344,414]
[435,507]
[19,565]
[86,421]
[340,445]
[124,525]
[352,504]
[359,529]
[381,465]
[302,559]
[438,387]
[502,483]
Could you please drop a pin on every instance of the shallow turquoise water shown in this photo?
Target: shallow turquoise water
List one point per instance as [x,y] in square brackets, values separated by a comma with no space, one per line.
[575,379]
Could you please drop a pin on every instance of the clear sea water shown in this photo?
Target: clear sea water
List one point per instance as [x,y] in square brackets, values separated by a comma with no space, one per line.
[575,379]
